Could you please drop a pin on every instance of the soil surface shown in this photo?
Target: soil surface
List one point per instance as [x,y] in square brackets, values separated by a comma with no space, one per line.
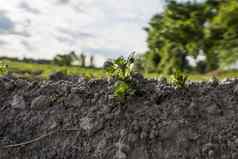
[76,118]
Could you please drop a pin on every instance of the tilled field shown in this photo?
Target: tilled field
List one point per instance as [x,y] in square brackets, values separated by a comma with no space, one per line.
[80,119]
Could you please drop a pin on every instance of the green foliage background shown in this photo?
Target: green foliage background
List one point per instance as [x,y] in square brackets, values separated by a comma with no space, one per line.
[193,29]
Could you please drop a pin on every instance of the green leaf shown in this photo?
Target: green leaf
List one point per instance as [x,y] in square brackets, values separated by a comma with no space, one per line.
[120,89]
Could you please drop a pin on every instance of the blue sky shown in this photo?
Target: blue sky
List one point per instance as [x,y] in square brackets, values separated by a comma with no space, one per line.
[103,28]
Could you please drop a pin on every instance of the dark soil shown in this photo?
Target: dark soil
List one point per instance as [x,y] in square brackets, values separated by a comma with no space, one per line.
[80,119]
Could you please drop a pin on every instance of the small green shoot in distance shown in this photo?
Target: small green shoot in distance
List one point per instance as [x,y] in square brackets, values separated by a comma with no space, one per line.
[3,68]
[215,80]
[122,70]
[179,79]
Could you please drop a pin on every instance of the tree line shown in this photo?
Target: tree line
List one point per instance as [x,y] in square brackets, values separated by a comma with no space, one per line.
[64,59]
[203,32]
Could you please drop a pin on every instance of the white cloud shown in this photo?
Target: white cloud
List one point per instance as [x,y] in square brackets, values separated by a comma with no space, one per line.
[104,28]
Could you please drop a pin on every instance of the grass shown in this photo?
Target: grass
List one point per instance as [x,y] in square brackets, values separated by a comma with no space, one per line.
[201,77]
[44,70]
[29,70]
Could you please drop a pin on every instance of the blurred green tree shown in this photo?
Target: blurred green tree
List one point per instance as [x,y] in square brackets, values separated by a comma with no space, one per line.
[175,34]
[223,31]
[65,59]
[189,29]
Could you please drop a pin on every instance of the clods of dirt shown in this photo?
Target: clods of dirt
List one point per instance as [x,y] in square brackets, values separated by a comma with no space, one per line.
[61,119]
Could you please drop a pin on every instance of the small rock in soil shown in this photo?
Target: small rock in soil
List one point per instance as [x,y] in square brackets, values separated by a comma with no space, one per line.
[18,102]
[86,123]
[120,155]
[235,90]
[41,102]
[139,153]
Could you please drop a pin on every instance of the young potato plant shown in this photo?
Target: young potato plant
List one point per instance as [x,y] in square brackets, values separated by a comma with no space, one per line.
[3,68]
[179,79]
[122,70]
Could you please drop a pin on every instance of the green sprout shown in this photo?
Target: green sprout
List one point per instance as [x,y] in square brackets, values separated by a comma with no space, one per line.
[122,70]
[179,79]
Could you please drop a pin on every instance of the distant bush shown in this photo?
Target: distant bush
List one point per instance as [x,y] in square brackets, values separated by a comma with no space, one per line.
[63,60]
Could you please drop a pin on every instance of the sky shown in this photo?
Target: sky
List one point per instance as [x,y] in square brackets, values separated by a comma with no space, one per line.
[103,28]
